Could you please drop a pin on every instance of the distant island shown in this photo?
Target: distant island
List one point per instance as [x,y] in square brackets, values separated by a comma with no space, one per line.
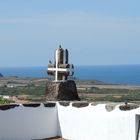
[1,75]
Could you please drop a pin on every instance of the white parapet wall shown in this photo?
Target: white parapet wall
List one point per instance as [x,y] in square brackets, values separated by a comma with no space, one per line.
[96,123]
[26,123]
[93,122]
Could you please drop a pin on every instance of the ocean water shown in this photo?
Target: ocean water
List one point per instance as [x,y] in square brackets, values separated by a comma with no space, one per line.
[115,74]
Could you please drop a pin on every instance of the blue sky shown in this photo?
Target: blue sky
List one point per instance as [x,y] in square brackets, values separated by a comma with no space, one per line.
[96,32]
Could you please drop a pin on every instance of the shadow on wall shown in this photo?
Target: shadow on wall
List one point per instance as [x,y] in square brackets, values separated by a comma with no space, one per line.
[28,121]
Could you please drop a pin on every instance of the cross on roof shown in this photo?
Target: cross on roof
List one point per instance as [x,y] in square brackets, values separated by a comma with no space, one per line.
[61,69]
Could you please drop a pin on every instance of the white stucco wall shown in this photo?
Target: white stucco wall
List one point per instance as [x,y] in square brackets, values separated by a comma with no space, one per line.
[86,123]
[26,123]
[96,123]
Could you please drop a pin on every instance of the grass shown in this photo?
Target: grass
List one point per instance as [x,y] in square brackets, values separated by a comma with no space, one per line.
[27,90]
[4,101]
[35,93]
[105,94]
[96,90]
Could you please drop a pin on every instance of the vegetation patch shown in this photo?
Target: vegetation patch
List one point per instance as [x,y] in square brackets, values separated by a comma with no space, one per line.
[4,101]
[108,94]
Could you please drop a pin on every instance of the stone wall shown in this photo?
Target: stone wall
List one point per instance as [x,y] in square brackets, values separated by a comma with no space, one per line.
[61,91]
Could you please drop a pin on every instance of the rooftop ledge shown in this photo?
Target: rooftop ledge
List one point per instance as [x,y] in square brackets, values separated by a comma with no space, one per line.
[77,104]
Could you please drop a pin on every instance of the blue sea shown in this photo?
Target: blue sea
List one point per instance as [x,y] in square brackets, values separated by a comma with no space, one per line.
[114,74]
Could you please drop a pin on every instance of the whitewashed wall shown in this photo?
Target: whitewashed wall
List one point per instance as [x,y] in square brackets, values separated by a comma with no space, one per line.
[95,123]
[86,123]
[26,123]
